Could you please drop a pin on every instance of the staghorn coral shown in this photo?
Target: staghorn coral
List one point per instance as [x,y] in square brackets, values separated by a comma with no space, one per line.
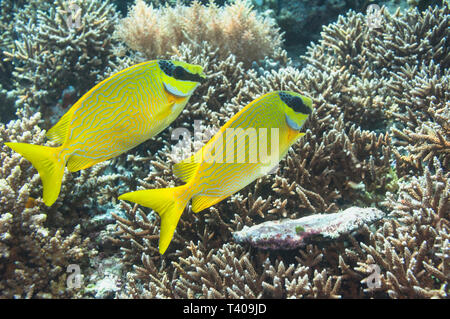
[412,249]
[34,255]
[7,11]
[61,43]
[38,243]
[234,28]
[229,272]
[346,156]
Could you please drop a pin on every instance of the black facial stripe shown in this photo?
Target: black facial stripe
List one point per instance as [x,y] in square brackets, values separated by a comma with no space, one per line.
[181,74]
[294,102]
[178,72]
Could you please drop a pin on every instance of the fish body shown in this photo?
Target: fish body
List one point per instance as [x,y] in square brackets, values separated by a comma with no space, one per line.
[247,147]
[116,115]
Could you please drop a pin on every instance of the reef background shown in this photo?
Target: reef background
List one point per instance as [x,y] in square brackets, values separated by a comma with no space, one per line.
[379,136]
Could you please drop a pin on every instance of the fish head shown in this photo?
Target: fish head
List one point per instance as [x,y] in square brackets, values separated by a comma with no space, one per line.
[180,78]
[297,108]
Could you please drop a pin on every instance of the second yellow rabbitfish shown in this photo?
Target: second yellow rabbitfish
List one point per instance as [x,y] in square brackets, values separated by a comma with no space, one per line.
[247,147]
[116,115]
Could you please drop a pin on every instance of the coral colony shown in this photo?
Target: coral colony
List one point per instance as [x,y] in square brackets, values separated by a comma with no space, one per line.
[366,189]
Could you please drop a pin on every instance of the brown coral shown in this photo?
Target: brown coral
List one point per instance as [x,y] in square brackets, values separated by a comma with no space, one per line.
[345,157]
[234,28]
[54,52]
[34,256]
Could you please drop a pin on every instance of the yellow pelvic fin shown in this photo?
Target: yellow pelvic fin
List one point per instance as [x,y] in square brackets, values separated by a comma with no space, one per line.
[47,164]
[167,203]
[200,202]
[58,132]
[76,163]
[186,169]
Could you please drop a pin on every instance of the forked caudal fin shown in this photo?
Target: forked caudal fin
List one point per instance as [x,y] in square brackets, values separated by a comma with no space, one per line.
[167,203]
[49,168]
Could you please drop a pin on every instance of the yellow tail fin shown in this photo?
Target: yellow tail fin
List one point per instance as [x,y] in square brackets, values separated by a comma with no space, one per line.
[49,168]
[167,203]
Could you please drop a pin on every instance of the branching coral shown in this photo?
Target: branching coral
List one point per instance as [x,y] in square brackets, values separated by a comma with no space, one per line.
[411,250]
[63,43]
[234,28]
[345,157]
[381,112]
[33,256]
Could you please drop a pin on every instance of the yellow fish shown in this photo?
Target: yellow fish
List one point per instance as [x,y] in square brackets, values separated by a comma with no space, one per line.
[236,156]
[116,115]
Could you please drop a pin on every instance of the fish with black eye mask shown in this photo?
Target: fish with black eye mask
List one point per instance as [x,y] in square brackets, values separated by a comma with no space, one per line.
[274,120]
[116,115]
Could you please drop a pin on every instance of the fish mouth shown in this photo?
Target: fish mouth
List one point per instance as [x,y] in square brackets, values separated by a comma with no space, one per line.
[292,124]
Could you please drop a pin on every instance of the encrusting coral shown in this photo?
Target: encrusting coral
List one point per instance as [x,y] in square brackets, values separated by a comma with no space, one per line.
[293,233]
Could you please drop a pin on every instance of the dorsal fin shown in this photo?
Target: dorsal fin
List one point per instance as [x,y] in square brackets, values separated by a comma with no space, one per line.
[59,131]
[186,169]
[201,202]
[76,163]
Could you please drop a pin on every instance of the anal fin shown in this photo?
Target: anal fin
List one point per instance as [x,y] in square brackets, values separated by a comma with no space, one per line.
[186,169]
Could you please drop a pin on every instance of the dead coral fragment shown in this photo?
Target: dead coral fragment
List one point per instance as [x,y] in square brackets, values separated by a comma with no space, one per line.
[292,233]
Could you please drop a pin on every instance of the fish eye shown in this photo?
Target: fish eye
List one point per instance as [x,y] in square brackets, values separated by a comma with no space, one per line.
[295,102]
[178,72]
